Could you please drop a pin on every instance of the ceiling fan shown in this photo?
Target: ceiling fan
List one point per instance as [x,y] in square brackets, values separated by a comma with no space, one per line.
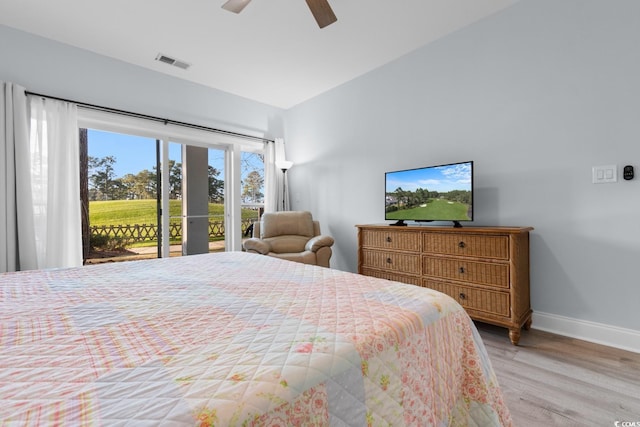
[319,8]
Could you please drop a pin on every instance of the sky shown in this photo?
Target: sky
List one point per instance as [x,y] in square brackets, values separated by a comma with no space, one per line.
[134,153]
[436,178]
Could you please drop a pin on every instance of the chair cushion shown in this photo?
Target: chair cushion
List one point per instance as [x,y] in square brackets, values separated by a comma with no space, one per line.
[297,223]
[287,244]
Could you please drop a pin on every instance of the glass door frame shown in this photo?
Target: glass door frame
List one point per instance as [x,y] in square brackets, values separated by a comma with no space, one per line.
[233,146]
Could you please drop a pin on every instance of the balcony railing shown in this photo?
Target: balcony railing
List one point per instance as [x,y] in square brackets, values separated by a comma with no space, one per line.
[136,233]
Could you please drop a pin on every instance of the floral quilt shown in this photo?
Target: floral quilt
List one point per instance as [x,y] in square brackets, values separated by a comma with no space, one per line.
[236,339]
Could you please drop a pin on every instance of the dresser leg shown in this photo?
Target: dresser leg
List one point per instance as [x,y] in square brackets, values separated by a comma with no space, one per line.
[527,324]
[514,336]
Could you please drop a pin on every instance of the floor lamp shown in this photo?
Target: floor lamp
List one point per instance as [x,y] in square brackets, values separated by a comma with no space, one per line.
[284,166]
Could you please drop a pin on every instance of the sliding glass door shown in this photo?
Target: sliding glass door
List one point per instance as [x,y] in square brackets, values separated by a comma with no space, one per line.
[252,189]
[153,190]
[121,196]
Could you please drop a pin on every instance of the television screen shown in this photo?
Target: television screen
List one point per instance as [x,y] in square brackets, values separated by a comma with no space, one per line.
[432,193]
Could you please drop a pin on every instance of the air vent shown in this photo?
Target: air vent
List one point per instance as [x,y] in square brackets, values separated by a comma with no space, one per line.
[172,61]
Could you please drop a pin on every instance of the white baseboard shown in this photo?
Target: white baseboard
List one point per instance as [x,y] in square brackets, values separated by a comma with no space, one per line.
[599,333]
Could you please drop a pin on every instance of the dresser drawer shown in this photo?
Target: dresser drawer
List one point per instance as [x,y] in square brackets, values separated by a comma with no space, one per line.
[475,245]
[480,273]
[493,302]
[395,240]
[380,274]
[391,261]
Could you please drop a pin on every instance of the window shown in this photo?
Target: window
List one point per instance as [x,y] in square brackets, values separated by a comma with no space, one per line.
[166,189]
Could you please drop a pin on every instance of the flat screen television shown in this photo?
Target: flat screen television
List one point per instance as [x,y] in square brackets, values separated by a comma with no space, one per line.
[431,193]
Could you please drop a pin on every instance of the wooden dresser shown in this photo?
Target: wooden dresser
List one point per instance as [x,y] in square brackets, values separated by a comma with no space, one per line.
[485,269]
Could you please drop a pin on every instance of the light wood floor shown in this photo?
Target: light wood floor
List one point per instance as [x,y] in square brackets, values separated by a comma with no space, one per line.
[550,380]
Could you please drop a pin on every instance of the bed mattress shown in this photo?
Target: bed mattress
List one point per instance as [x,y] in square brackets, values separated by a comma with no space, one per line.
[236,339]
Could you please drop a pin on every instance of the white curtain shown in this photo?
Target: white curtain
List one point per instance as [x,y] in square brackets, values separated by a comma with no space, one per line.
[17,240]
[55,182]
[270,178]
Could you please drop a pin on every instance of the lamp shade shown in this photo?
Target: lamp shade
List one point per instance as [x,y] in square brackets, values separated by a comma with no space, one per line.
[284,165]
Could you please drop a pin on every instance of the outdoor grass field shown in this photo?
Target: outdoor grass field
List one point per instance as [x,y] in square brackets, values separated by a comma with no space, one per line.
[436,209]
[132,216]
[123,212]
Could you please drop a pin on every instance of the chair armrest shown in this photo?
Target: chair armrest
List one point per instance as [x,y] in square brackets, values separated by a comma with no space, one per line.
[318,242]
[257,245]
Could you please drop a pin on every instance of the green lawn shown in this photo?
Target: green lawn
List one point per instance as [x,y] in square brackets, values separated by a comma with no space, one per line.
[132,213]
[435,209]
[121,212]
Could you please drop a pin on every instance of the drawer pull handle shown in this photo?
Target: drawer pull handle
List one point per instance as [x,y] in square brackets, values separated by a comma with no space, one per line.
[461,270]
[462,295]
[389,261]
[461,245]
[388,239]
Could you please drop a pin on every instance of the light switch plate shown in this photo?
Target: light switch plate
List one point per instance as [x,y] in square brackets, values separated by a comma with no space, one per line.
[604,174]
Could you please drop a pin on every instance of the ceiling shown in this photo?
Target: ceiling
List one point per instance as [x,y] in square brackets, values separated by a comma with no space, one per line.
[273,52]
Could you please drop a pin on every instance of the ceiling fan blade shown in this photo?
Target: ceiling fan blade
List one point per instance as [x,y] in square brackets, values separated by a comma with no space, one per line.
[322,12]
[235,6]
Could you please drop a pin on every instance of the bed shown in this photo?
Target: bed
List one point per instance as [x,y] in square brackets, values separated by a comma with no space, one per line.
[237,339]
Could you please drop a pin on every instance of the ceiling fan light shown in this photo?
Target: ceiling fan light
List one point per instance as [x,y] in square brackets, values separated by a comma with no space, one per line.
[235,6]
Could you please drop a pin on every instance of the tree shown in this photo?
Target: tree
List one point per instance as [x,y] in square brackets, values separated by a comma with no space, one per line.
[146,185]
[101,177]
[251,189]
[128,184]
[118,190]
[461,196]
[402,197]
[422,196]
[175,180]
[216,186]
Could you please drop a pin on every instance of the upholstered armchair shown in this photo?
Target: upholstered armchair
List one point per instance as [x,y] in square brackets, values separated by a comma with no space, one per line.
[291,235]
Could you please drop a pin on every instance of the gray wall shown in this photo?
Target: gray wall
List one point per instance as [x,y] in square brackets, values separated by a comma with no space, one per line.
[56,69]
[536,96]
